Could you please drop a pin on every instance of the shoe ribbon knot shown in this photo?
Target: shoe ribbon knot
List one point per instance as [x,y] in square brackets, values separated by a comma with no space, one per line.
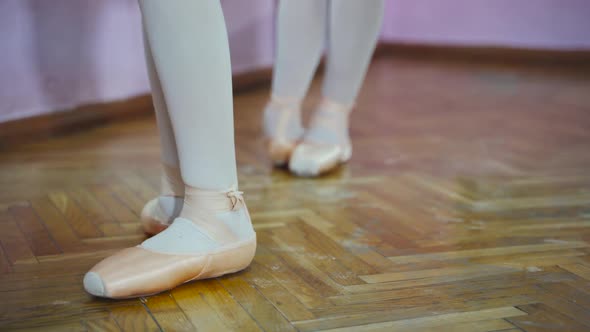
[236,198]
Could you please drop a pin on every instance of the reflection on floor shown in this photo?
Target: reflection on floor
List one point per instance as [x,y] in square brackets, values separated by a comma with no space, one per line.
[466,207]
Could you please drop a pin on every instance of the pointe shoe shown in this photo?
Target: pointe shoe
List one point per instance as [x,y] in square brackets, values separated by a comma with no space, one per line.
[212,237]
[314,159]
[282,127]
[154,216]
[153,219]
[326,145]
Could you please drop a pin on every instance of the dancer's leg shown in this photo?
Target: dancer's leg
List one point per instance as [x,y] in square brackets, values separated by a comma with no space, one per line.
[193,61]
[300,42]
[302,27]
[168,151]
[213,235]
[159,212]
[353,34]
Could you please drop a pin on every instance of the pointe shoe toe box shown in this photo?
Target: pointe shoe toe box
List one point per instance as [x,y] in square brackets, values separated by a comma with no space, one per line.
[138,271]
[315,159]
[93,284]
[280,151]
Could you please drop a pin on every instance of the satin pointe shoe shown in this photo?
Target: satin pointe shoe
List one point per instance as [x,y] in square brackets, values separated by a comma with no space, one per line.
[213,236]
[159,212]
[326,144]
[282,128]
[153,218]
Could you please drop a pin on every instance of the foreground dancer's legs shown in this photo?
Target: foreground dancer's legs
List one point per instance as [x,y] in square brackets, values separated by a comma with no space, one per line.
[159,213]
[213,234]
[353,33]
[300,41]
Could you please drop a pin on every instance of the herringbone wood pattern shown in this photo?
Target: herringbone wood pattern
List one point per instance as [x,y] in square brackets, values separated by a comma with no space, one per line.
[465,208]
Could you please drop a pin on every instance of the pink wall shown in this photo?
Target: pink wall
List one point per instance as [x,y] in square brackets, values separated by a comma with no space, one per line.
[545,24]
[58,54]
[61,53]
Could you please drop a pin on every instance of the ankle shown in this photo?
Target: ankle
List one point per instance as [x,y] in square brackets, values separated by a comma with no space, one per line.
[171,205]
[199,201]
[171,183]
[282,118]
[221,214]
[330,123]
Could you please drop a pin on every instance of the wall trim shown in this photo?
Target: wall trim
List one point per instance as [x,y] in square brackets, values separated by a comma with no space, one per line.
[496,54]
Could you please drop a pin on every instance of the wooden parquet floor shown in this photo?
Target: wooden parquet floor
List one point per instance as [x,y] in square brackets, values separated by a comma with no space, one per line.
[466,207]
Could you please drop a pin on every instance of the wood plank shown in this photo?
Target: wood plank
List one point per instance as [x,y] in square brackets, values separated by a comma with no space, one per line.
[104,324]
[4,263]
[434,273]
[438,320]
[578,269]
[55,223]
[276,294]
[134,318]
[39,239]
[69,327]
[78,220]
[167,313]
[13,241]
[129,198]
[209,307]
[262,311]
[117,209]
[486,252]
[94,210]
[541,318]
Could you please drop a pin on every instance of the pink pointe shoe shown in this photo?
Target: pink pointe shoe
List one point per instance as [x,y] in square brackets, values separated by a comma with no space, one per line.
[212,237]
[159,212]
[282,127]
[326,144]
[153,218]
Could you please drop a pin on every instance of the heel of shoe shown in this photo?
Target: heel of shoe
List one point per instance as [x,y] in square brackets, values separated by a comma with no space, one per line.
[152,226]
[230,260]
[151,218]
[280,152]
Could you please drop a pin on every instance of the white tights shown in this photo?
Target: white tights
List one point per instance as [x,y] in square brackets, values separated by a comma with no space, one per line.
[350,28]
[191,82]
[190,73]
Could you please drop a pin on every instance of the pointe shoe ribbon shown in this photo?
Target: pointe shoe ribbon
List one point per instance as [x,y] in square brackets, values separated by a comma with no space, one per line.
[236,197]
[198,200]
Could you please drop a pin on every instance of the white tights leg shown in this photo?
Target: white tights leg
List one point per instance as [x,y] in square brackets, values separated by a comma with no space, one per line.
[213,234]
[189,44]
[299,48]
[351,28]
[188,40]
[159,213]
[353,33]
